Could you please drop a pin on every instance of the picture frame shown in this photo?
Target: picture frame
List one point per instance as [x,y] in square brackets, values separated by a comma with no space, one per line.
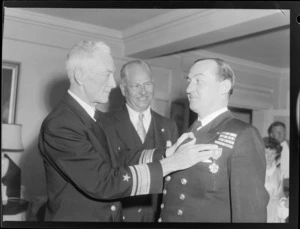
[10,78]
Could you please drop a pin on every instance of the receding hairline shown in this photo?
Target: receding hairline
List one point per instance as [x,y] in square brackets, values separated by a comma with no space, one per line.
[131,65]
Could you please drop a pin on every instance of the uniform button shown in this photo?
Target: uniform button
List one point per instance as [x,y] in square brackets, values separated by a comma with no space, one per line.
[179,212]
[113,208]
[164,191]
[119,148]
[182,196]
[139,210]
[123,217]
[168,178]
[183,181]
[159,220]
[162,206]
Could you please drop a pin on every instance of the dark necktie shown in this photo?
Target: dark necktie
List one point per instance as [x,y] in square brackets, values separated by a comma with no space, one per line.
[197,124]
[97,115]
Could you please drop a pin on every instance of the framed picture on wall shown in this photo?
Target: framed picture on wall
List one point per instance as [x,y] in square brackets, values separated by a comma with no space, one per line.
[10,75]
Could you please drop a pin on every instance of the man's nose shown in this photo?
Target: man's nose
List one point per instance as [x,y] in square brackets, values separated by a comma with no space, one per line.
[143,88]
[189,88]
[112,81]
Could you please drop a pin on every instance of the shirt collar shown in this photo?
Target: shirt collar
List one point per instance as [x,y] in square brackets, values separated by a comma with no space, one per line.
[134,117]
[212,116]
[88,108]
[135,114]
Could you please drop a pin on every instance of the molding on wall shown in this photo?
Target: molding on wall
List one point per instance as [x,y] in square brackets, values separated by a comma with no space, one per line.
[285,72]
[254,88]
[161,37]
[43,20]
[166,21]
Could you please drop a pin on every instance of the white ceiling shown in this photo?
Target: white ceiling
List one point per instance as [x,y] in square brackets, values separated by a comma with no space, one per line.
[118,19]
[270,47]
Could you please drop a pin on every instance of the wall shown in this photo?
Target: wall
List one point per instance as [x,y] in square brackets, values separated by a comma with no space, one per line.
[40,45]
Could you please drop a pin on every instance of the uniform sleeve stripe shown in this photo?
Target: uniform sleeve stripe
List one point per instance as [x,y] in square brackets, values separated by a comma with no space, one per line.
[134,181]
[141,160]
[140,178]
[146,156]
[143,178]
[149,155]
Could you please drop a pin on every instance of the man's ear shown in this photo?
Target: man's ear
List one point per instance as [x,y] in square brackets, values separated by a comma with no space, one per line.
[225,86]
[122,87]
[79,76]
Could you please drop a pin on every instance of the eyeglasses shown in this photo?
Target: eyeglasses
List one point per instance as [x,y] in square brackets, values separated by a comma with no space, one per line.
[137,87]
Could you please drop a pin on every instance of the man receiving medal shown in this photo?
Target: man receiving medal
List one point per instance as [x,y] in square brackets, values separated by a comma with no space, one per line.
[228,187]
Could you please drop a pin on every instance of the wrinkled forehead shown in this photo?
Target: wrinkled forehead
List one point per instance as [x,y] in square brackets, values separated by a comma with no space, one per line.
[202,67]
[103,61]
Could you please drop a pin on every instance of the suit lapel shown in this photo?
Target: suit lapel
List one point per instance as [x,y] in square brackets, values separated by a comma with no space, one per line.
[87,120]
[157,126]
[70,102]
[124,128]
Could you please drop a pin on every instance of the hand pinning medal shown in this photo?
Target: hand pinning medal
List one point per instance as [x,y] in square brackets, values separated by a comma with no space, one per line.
[214,167]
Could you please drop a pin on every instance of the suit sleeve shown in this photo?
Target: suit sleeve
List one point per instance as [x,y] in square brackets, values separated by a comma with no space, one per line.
[142,156]
[67,146]
[249,197]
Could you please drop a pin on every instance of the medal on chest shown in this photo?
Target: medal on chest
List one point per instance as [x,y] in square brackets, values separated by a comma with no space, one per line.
[214,167]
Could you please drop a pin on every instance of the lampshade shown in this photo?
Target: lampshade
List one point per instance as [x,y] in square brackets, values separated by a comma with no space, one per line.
[12,138]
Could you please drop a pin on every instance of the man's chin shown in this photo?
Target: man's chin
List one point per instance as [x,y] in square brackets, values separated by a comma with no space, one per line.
[193,107]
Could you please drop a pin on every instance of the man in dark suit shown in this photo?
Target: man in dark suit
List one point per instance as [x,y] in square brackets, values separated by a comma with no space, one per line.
[85,181]
[154,131]
[229,187]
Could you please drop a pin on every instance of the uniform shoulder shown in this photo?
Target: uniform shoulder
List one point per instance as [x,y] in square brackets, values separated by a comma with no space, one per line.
[59,117]
[239,126]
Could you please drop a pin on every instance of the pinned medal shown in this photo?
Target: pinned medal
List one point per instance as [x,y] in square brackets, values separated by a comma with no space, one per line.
[214,167]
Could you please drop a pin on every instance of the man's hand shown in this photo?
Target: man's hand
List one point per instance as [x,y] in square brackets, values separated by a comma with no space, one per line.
[170,151]
[186,156]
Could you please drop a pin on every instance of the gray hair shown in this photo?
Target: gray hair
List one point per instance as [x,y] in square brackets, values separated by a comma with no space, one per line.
[224,71]
[84,50]
[131,64]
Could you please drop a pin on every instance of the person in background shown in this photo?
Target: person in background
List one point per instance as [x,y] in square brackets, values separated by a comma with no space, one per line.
[277,130]
[139,127]
[277,208]
[229,187]
[85,178]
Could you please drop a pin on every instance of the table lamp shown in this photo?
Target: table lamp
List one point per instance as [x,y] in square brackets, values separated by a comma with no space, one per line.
[10,172]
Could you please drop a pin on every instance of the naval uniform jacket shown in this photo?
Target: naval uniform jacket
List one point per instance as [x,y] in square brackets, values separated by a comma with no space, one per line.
[84,178]
[235,193]
[161,130]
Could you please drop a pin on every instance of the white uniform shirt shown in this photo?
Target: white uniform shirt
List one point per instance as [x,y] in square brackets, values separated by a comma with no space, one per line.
[134,117]
[285,159]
